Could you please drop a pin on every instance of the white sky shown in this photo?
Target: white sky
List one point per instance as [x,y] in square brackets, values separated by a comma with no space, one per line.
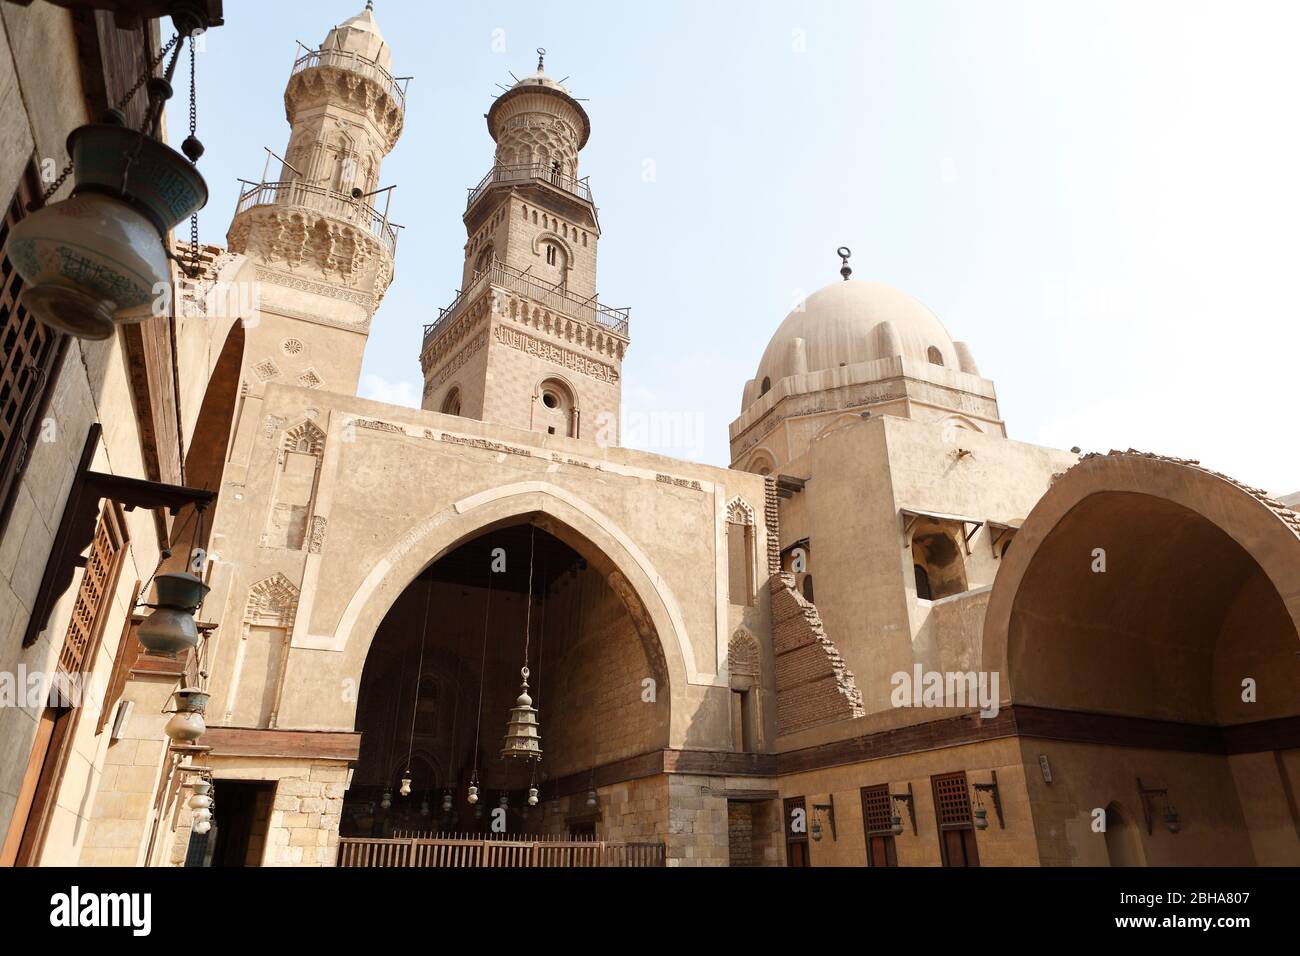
[1101,198]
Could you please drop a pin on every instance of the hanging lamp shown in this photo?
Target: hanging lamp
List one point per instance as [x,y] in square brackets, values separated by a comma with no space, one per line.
[523,739]
[98,259]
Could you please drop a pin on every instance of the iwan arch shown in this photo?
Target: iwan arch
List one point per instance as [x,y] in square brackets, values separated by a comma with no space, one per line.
[710,649]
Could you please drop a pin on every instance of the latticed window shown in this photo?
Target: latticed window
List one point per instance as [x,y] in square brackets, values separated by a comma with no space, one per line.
[956,830]
[952,799]
[876,815]
[107,550]
[31,354]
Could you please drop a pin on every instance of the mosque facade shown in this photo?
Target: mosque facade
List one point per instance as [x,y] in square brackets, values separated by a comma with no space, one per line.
[887,634]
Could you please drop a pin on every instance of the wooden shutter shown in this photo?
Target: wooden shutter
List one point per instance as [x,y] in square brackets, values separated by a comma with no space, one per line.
[877,822]
[953,812]
[32,354]
[107,549]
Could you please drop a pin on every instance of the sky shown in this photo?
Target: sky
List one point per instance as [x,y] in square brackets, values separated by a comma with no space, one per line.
[1100,198]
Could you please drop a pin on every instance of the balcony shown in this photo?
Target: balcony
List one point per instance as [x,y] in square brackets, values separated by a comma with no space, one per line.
[557,300]
[536,172]
[327,202]
[355,63]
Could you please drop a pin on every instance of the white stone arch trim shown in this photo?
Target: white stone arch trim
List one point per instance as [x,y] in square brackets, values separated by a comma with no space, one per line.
[761,453]
[438,534]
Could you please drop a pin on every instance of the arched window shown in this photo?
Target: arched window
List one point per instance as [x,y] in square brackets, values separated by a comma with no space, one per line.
[808,589]
[765,387]
[555,410]
[551,254]
[937,559]
[934,355]
[484,259]
[451,404]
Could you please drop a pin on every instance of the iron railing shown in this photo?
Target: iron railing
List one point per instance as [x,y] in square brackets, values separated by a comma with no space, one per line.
[354,62]
[534,172]
[507,277]
[330,202]
[464,850]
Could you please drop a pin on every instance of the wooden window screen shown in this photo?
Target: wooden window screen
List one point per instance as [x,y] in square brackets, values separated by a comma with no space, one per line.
[952,799]
[876,815]
[31,354]
[107,549]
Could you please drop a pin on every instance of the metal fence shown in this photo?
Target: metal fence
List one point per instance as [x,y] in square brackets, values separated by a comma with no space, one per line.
[466,850]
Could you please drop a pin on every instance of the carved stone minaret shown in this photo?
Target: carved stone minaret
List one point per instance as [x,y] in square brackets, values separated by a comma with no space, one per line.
[319,233]
[525,342]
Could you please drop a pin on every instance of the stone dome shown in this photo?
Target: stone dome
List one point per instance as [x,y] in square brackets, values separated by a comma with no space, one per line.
[360,35]
[850,322]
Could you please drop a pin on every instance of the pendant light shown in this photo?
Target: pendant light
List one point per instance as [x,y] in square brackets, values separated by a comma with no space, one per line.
[482,675]
[98,259]
[522,738]
[415,700]
[170,629]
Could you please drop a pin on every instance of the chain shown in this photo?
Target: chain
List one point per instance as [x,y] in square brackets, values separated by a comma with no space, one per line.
[121,104]
[193,270]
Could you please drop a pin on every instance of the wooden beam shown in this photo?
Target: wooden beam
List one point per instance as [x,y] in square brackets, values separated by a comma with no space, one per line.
[302,744]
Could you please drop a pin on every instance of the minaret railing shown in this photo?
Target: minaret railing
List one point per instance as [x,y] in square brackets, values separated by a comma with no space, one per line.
[557,300]
[539,172]
[354,62]
[328,202]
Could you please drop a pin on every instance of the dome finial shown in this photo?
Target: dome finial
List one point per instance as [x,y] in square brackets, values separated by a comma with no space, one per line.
[370,5]
[541,53]
[844,252]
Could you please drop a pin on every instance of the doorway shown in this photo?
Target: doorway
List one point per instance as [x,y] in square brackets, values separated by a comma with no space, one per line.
[240,818]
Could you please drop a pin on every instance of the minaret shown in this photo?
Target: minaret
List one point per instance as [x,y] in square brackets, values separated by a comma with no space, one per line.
[320,231]
[525,342]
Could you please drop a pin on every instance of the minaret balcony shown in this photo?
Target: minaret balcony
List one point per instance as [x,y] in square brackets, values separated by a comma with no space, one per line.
[601,317]
[539,173]
[353,62]
[326,202]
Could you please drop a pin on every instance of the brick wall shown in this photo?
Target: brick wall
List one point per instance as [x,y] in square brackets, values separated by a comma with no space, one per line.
[813,684]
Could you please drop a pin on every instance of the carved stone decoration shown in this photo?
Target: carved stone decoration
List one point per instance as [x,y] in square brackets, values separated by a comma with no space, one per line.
[743,654]
[266,370]
[272,602]
[740,511]
[332,251]
[272,424]
[304,437]
[309,379]
[316,540]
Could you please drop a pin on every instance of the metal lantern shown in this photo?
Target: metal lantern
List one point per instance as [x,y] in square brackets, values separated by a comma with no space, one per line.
[186,724]
[405,788]
[981,818]
[816,829]
[473,794]
[424,807]
[387,800]
[522,739]
[532,796]
[1171,820]
[896,824]
[97,259]
[593,800]
[446,801]
[201,800]
[170,629]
